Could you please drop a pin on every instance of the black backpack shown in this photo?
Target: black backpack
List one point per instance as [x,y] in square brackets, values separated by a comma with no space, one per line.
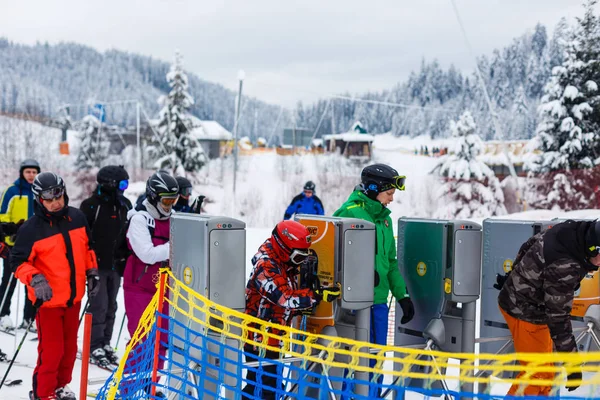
[122,250]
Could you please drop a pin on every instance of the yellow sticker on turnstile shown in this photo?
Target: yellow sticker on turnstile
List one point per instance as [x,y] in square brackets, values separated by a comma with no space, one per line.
[187,275]
[447,285]
[507,265]
[421,268]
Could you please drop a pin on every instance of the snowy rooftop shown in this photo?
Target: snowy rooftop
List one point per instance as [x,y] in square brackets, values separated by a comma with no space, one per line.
[209,130]
[351,137]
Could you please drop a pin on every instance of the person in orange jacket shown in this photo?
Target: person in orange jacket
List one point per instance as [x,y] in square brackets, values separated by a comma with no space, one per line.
[52,257]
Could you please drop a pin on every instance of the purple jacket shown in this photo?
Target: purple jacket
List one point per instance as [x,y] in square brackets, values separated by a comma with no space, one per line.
[149,252]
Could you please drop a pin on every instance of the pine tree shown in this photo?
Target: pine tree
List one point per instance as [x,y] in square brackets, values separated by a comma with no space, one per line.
[569,127]
[176,145]
[93,147]
[470,187]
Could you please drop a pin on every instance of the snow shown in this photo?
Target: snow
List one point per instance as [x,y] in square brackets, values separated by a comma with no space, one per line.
[571,92]
[209,130]
[351,137]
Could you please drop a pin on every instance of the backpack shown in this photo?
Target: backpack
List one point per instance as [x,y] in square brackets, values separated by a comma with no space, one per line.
[122,250]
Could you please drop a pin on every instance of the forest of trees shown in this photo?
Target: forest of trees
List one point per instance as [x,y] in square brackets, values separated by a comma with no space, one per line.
[37,79]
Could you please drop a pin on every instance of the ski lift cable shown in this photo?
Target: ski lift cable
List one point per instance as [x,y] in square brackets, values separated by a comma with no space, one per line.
[360,100]
[497,125]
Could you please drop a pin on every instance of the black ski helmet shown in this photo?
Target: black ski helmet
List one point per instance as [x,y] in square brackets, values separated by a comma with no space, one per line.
[49,185]
[185,186]
[29,163]
[110,176]
[310,185]
[160,185]
[379,178]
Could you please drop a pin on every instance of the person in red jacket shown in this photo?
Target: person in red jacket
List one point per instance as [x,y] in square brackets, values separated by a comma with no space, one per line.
[273,295]
[52,257]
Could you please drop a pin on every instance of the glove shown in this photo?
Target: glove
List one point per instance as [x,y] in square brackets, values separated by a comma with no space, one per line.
[500,280]
[328,294]
[408,310]
[4,251]
[43,291]
[573,376]
[10,229]
[198,204]
[307,311]
[93,282]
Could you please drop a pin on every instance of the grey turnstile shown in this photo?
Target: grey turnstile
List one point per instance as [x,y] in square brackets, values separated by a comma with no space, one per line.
[350,245]
[441,264]
[208,254]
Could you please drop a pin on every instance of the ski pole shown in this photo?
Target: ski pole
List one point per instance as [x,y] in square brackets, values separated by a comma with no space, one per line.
[87,304]
[120,331]
[37,306]
[12,276]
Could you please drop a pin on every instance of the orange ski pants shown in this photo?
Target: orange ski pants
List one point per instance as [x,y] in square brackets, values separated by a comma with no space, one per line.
[529,338]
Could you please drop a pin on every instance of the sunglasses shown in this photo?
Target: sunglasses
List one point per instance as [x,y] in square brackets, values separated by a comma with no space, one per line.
[187,191]
[299,256]
[52,193]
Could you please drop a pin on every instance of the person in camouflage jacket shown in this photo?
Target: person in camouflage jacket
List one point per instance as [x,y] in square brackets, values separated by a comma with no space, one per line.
[537,296]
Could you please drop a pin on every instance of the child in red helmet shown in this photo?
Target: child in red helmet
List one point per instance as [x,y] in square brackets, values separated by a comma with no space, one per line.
[273,295]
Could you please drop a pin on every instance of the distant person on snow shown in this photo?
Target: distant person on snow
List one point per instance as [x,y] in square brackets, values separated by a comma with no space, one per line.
[536,297]
[273,295]
[148,238]
[185,192]
[106,213]
[53,258]
[306,202]
[17,207]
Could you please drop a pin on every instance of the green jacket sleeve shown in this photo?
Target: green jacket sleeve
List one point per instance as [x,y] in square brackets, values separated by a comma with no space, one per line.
[397,284]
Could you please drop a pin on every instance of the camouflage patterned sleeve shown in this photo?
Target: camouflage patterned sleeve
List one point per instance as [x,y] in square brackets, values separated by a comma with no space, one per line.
[525,248]
[276,289]
[560,279]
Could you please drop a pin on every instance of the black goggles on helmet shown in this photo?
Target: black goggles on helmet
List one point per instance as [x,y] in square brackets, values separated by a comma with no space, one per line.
[398,182]
[52,193]
[186,191]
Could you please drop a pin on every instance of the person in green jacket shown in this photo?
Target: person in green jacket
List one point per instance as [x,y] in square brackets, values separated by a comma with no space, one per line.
[369,202]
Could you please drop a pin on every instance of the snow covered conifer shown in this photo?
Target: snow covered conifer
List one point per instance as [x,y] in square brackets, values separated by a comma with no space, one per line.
[471,188]
[93,148]
[176,147]
[569,122]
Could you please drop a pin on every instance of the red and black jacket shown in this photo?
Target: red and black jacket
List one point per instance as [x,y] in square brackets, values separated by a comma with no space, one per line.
[58,248]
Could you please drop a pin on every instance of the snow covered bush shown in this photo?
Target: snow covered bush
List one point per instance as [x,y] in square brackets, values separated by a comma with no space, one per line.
[94,146]
[470,188]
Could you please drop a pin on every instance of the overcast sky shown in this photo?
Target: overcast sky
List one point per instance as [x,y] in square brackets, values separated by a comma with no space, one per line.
[290,50]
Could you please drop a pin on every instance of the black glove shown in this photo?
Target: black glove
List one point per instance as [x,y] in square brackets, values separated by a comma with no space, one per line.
[328,294]
[573,376]
[93,282]
[197,208]
[306,311]
[4,251]
[408,310]
[41,287]
[10,229]
[500,280]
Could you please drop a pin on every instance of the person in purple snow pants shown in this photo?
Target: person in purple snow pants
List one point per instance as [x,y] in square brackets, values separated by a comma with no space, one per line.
[148,238]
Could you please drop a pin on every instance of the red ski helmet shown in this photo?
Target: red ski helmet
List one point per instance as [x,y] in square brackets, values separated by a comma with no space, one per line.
[291,240]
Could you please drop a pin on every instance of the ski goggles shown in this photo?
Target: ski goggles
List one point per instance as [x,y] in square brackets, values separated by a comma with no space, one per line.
[398,182]
[299,256]
[124,184]
[186,191]
[52,193]
[168,200]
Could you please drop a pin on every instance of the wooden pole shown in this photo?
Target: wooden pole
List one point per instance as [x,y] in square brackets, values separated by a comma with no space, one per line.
[85,355]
